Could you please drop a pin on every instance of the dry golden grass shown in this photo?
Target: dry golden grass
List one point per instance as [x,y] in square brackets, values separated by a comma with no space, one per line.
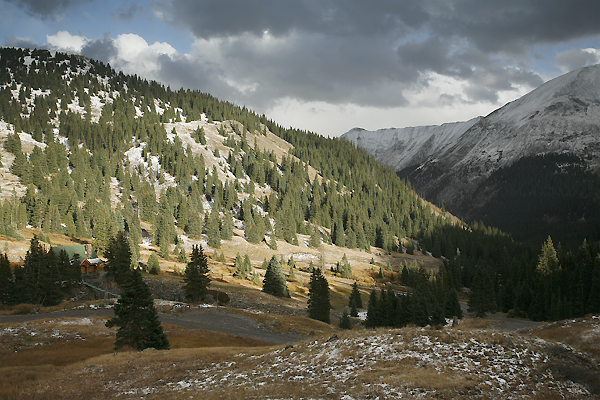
[408,363]
[38,350]
[581,333]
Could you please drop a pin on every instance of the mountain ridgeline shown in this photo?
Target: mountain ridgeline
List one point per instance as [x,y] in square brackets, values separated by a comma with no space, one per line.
[88,152]
[529,167]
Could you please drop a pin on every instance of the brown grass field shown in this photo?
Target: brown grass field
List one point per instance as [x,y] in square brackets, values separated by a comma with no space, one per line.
[464,362]
[73,358]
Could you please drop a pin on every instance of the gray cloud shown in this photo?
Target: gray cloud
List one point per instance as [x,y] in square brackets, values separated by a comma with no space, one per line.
[127,13]
[15,41]
[45,9]
[368,53]
[102,49]
[577,58]
[218,18]
[515,25]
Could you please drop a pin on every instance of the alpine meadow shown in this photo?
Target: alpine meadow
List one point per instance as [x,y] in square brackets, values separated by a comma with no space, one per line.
[251,260]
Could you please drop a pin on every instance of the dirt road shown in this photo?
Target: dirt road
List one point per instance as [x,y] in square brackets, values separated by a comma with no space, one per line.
[502,323]
[211,319]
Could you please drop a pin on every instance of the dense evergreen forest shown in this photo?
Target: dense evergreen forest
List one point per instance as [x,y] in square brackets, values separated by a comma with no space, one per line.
[86,120]
[554,193]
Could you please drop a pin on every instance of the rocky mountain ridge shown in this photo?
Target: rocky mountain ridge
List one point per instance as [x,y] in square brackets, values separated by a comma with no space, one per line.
[449,163]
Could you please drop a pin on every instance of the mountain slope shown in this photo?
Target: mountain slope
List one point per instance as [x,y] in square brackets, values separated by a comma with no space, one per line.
[561,116]
[404,147]
[95,151]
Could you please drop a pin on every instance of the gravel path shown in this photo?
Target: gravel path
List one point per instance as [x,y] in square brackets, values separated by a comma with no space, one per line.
[207,319]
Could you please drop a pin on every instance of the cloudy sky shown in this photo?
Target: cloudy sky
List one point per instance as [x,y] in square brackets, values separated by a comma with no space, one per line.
[326,65]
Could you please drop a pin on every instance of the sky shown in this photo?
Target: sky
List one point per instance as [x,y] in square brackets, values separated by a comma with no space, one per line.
[326,66]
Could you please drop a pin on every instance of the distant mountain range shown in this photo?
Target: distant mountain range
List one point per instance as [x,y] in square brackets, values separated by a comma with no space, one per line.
[529,167]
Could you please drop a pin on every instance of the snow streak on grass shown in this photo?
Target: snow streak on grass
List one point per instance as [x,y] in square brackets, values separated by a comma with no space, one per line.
[396,364]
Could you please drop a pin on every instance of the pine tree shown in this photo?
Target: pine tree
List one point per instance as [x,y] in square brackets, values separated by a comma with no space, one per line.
[118,255]
[315,237]
[196,276]
[194,225]
[319,303]
[213,230]
[355,297]
[247,263]
[153,264]
[273,243]
[548,262]
[6,280]
[346,269]
[372,320]
[137,318]
[240,270]
[274,282]
[227,226]
[345,321]
[482,299]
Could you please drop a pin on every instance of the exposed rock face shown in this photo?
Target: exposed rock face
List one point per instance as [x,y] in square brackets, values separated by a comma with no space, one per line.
[448,163]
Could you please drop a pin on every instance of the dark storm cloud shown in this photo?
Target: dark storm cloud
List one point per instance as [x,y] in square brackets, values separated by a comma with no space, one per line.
[369,52]
[218,18]
[491,26]
[102,49]
[45,9]
[514,25]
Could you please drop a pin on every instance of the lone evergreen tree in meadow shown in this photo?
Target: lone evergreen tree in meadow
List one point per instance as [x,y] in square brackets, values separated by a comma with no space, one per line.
[274,282]
[318,297]
[196,276]
[137,318]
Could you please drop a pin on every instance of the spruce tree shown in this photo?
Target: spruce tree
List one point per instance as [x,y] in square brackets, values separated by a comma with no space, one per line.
[227,226]
[482,298]
[315,237]
[213,230]
[6,280]
[355,297]
[319,302]
[240,270]
[548,262]
[118,256]
[345,321]
[137,318]
[274,282]
[372,320]
[196,276]
[153,264]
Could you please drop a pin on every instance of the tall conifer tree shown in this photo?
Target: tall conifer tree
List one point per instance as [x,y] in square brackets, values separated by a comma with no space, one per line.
[319,303]
[196,276]
[137,318]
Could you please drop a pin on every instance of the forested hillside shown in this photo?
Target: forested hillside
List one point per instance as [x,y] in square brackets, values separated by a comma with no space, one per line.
[97,152]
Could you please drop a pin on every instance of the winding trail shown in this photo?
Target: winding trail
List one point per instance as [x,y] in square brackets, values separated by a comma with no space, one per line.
[211,319]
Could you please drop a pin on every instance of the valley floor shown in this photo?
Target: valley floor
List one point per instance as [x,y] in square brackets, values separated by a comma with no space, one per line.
[473,360]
